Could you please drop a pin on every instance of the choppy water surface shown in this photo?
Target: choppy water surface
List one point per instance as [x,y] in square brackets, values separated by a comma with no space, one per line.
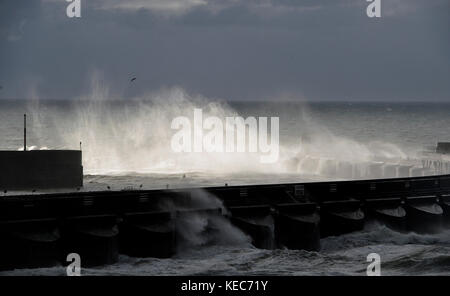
[401,254]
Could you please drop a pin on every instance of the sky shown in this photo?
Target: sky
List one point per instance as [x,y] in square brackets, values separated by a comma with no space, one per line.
[229,49]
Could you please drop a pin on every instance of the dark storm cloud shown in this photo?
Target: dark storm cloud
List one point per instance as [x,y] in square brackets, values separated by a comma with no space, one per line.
[269,49]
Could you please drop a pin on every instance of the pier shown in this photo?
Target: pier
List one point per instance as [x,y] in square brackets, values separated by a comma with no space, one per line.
[40,230]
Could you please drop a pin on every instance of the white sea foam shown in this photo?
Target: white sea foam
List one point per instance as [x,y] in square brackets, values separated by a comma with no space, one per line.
[120,137]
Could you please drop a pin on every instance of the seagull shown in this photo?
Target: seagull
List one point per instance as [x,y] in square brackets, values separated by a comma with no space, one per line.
[133,79]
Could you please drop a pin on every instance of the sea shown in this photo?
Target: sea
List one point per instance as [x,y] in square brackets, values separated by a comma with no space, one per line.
[128,144]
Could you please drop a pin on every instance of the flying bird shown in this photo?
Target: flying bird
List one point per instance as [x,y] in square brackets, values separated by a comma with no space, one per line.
[133,79]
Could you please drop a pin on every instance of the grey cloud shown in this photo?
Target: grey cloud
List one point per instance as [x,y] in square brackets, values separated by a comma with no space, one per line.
[319,50]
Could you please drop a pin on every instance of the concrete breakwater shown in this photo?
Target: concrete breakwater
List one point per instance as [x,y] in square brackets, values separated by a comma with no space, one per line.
[40,230]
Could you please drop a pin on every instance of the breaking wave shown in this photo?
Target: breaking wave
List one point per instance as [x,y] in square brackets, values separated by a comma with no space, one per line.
[134,136]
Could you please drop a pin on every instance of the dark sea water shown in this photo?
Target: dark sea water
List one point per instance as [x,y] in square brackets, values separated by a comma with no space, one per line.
[401,254]
[127,143]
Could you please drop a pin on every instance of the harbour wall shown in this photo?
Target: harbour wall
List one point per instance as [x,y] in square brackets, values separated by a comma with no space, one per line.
[40,230]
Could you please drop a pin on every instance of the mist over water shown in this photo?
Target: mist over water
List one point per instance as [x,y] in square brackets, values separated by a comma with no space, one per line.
[128,142]
[135,136]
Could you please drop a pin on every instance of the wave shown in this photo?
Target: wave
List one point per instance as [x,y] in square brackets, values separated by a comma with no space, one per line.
[376,233]
[134,136]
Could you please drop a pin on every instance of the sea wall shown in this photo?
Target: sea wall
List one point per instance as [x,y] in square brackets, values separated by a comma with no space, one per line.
[40,230]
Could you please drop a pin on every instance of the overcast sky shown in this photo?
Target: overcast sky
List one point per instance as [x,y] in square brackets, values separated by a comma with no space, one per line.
[229,49]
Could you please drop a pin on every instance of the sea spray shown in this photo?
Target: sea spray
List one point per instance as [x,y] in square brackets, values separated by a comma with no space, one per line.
[134,136]
[199,221]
